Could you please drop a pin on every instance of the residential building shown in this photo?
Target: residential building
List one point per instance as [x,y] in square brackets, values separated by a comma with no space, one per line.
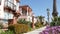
[26,13]
[9,11]
[41,19]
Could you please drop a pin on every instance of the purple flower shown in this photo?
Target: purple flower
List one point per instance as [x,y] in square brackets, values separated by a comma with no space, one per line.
[40,33]
[46,32]
[53,30]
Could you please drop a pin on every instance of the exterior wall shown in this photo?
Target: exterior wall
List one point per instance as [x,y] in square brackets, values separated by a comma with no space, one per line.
[17,11]
[1,9]
[35,20]
[44,22]
[29,18]
[8,15]
[5,16]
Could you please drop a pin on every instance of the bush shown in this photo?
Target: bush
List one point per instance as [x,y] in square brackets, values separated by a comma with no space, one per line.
[38,25]
[1,25]
[58,23]
[52,23]
[22,21]
[19,28]
[7,32]
[55,23]
[1,31]
[11,27]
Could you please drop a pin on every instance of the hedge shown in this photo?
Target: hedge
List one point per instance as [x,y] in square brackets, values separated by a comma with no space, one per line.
[19,28]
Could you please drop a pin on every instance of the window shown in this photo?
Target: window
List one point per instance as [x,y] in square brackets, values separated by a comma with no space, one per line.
[24,12]
[0,2]
[10,3]
[8,15]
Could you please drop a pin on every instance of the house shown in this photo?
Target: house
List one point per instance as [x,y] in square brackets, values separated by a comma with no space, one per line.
[41,19]
[9,11]
[26,13]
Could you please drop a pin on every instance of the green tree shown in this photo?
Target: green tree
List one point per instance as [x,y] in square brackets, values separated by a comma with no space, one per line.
[55,22]
[40,18]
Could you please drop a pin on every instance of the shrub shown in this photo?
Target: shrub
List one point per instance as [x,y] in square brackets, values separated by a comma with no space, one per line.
[22,21]
[38,24]
[19,28]
[52,23]
[11,27]
[1,31]
[55,23]
[58,23]
[1,25]
[7,32]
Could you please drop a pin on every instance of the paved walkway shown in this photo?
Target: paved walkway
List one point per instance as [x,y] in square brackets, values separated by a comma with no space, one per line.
[37,31]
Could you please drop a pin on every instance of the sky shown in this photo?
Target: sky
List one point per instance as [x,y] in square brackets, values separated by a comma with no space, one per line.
[39,6]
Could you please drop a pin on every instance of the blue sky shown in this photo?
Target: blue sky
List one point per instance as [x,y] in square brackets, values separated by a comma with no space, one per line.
[39,6]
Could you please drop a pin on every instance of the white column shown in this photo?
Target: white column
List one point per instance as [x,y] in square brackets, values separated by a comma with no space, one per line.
[20,10]
[27,11]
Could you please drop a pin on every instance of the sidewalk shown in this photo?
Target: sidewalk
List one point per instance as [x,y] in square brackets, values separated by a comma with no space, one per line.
[37,31]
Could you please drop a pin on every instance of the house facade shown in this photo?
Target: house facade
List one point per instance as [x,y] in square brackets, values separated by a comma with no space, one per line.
[26,13]
[9,11]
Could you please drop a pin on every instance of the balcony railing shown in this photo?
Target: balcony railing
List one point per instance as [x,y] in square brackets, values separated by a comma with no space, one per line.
[10,5]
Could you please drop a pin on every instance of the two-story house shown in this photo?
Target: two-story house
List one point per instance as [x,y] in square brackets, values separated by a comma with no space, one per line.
[26,13]
[9,11]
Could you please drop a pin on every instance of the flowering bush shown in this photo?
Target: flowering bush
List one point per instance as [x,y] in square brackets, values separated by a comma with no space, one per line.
[51,30]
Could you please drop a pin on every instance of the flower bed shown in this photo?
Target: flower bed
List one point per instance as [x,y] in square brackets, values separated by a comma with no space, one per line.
[51,30]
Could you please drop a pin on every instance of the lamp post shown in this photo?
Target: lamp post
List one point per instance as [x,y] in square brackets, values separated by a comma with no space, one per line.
[48,14]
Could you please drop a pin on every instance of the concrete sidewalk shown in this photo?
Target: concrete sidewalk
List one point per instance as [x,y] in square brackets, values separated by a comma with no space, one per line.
[37,31]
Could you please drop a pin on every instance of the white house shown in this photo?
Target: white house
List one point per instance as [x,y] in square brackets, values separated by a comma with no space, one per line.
[7,10]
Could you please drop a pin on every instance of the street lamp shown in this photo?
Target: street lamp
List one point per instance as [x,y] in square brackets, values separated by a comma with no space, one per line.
[48,14]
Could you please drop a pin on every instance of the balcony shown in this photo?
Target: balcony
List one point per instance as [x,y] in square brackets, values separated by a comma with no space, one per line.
[10,6]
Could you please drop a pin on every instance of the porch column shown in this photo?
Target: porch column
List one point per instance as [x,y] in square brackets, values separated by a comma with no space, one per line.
[27,11]
[20,10]
[15,20]
[33,22]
